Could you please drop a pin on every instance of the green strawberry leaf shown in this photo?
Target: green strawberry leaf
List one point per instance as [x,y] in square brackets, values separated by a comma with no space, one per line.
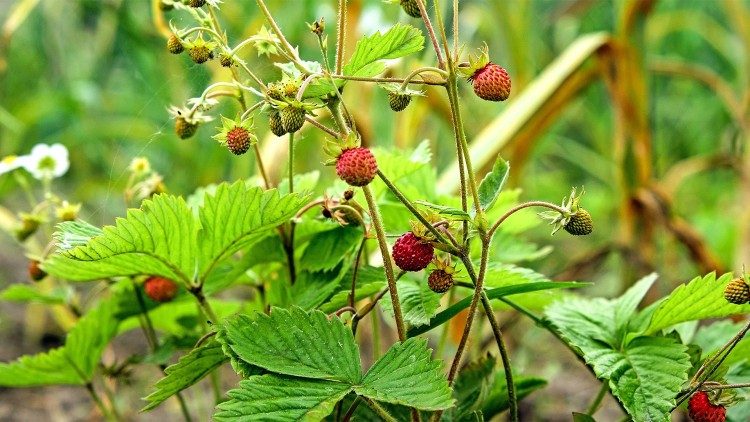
[418,302]
[73,363]
[294,342]
[407,375]
[457,307]
[27,293]
[281,398]
[701,298]
[472,387]
[327,249]
[493,183]
[399,41]
[164,238]
[645,373]
[190,369]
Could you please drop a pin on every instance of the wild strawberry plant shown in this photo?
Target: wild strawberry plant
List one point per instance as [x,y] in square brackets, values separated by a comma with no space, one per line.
[313,279]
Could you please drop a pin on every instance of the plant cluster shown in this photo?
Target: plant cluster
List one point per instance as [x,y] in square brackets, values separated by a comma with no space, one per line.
[313,277]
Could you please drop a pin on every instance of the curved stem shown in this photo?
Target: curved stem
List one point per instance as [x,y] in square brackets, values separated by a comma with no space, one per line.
[251,109]
[305,84]
[201,28]
[417,71]
[377,80]
[323,127]
[387,264]
[519,207]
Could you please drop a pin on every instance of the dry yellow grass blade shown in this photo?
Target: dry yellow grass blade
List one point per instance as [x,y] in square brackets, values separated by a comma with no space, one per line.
[522,109]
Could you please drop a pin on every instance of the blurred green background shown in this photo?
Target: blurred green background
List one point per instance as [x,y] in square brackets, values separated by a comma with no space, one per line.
[653,121]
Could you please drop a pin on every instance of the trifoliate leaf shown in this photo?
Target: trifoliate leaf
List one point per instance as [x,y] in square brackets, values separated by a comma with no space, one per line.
[190,369]
[281,398]
[493,183]
[164,238]
[645,374]
[399,41]
[407,375]
[294,342]
[701,298]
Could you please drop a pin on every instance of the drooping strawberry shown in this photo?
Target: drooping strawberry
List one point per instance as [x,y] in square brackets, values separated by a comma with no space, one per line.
[160,289]
[412,253]
[491,82]
[357,166]
[701,409]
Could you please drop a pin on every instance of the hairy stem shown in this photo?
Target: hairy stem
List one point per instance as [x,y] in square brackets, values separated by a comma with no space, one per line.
[458,127]
[431,32]
[379,410]
[340,35]
[519,207]
[387,264]
[378,80]
[290,51]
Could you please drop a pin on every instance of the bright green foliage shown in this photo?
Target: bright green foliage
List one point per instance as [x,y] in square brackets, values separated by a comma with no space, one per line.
[370,280]
[644,373]
[293,342]
[281,398]
[464,303]
[493,183]
[472,387]
[70,234]
[164,238]
[190,369]
[450,213]
[312,288]
[326,249]
[73,363]
[406,375]
[242,368]
[497,399]
[27,293]
[399,41]
[701,298]
[418,302]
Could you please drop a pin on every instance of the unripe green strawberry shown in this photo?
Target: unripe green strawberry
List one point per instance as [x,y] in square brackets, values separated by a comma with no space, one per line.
[238,140]
[292,118]
[398,102]
[701,409]
[274,123]
[580,224]
[491,82]
[411,8]
[174,45]
[226,60]
[440,281]
[35,272]
[197,3]
[356,166]
[160,289]
[183,128]
[200,54]
[737,292]
[290,88]
[410,253]
[275,91]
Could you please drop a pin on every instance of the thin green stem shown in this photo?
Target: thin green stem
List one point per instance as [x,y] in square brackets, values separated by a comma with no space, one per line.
[352,408]
[455,31]
[261,167]
[443,35]
[458,127]
[203,303]
[99,403]
[379,410]
[375,335]
[378,80]
[291,162]
[387,264]
[287,47]
[404,200]
[355,271]
[322,127]
[415,72]
[712,386]
[594,406]
[340,35]
[431,32]
[339,118]
[519,207]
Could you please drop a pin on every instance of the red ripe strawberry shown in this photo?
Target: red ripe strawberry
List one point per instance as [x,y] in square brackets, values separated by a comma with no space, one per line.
[491,83]
[412,253]
[702,410]
[357,166]
[160,289]
[238,140]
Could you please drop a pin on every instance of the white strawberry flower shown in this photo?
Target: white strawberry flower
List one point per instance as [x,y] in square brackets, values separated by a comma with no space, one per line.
[47,161]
